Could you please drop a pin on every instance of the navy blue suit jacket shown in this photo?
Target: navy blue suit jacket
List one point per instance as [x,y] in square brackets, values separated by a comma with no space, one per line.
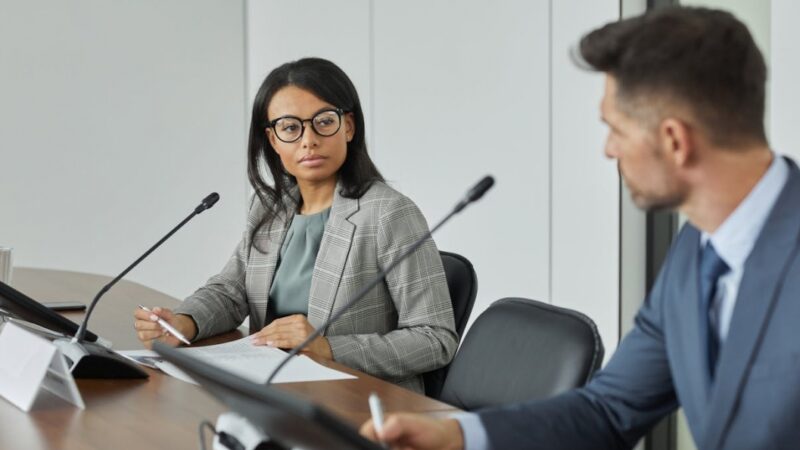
[754,402]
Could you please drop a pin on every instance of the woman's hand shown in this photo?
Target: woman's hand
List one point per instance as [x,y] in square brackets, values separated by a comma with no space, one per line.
[417,432]
[148,329]
[288,332]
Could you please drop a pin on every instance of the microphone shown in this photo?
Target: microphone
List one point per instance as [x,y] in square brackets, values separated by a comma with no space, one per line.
[207,202]
[473,195]
[90,360]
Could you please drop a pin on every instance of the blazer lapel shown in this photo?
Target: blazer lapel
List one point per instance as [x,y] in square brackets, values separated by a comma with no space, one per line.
[331,259]
[263,262]
[765,270]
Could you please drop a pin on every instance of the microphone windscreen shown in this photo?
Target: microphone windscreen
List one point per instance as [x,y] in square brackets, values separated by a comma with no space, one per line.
[209,201]
[484,185]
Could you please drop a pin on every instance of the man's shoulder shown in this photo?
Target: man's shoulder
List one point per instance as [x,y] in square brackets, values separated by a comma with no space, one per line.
[687,240]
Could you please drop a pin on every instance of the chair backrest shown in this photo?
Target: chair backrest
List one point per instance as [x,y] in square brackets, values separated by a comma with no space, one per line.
[462,282]
[521,349]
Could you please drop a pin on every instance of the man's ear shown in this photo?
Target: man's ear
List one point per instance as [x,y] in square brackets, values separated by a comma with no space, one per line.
[677,140]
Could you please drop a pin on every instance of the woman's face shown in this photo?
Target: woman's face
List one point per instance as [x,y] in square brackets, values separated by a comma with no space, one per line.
[312,158]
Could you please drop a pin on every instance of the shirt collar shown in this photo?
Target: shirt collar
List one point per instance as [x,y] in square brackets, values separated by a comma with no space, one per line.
[737,235]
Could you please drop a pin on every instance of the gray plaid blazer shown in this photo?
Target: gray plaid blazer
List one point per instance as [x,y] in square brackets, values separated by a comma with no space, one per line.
[401,329]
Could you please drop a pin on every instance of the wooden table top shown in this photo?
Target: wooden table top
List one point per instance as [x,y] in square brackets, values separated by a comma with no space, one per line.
[161,411]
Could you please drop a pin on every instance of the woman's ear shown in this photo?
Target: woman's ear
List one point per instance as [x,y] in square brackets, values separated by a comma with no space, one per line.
[271,138]
[349,126]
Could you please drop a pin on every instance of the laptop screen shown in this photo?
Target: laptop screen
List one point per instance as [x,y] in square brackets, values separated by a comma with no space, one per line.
[23,307]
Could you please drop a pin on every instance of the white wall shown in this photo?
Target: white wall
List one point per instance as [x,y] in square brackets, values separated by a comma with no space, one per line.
[116,119]
[457,89]
[585,198]
[465,95]
[784,75]
[279,32]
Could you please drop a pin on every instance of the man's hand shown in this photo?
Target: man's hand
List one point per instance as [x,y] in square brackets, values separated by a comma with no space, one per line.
[288,332]
[417,432]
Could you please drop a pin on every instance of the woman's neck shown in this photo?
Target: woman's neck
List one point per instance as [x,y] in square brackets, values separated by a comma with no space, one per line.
[316,197]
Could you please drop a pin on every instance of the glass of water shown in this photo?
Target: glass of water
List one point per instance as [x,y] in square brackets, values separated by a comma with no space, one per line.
[6,266]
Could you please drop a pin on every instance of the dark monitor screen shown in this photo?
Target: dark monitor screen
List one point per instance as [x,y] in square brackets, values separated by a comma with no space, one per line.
[23,307]
[286,419]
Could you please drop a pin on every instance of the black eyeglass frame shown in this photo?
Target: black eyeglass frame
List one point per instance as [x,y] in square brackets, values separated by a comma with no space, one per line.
[339,112]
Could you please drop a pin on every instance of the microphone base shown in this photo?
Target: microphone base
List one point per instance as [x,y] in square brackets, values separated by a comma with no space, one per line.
[90,360]
[235,431]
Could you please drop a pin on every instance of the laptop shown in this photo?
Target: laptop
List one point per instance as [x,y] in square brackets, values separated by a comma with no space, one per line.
[22,307]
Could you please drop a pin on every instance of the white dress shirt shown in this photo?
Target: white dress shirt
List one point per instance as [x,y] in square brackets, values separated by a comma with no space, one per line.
[735,238]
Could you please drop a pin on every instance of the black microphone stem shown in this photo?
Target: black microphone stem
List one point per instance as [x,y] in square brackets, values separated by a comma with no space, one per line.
[207,203]
[358,296]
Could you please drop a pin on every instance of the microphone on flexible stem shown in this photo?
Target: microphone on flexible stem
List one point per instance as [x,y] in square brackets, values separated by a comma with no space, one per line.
[90,360]
[473,195]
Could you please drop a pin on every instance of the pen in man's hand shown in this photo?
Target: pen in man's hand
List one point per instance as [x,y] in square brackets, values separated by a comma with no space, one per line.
[376,410]
[168,327]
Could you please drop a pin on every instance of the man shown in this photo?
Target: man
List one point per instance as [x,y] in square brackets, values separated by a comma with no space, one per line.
[718,333]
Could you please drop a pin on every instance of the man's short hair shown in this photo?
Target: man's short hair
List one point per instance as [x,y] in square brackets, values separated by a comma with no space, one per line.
[698,58]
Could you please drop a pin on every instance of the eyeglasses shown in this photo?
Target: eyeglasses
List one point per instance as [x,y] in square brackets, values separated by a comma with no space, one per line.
[290,128]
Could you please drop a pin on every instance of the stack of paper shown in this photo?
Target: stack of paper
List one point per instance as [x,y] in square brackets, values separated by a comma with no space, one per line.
[252,362]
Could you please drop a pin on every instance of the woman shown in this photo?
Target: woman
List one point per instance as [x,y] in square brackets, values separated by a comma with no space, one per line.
[320,233]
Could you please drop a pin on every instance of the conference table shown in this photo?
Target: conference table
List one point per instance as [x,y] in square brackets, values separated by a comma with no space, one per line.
[161,411]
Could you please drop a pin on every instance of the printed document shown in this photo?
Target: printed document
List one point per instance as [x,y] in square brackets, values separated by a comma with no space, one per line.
[252,362]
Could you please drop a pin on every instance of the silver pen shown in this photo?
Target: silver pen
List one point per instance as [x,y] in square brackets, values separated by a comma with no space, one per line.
[168,327]
[376,410]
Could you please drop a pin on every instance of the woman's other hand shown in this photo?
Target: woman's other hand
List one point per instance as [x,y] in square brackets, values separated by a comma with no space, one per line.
[289,332]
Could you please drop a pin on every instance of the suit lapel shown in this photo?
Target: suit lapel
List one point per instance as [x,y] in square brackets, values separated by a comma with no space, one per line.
[764,272]
[331,259]
[688,300]
[263,262]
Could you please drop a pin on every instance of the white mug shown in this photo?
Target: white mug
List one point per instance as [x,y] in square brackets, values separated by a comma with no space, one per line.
[6,264]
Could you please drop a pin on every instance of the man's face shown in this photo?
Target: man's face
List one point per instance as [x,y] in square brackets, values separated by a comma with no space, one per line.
[642,160]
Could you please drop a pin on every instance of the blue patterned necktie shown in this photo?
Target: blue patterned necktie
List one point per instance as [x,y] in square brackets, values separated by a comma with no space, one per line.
[711,268]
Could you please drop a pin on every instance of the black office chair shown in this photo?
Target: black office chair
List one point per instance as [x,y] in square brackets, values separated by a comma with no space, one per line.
[521,349]
[462,282]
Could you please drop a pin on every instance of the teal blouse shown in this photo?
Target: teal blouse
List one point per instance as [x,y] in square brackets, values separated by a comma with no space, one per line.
[292,282]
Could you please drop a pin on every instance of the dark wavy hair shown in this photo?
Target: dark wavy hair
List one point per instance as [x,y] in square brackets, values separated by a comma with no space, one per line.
[703,58]
[328,82]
